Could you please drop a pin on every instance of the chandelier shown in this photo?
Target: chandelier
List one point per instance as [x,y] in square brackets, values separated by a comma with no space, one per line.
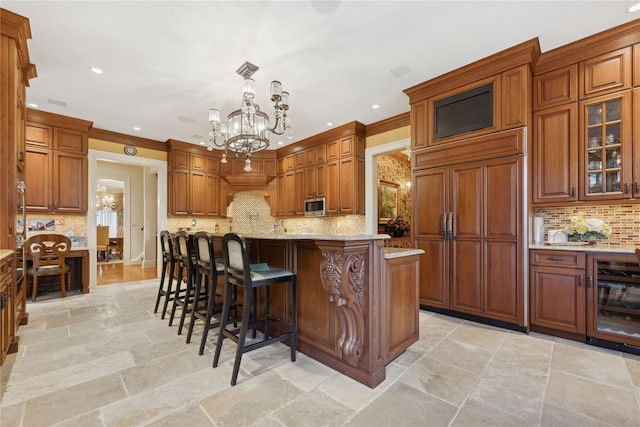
[246,130]
[103,198]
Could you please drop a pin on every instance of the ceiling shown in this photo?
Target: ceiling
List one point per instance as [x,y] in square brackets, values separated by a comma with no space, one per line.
[166,63]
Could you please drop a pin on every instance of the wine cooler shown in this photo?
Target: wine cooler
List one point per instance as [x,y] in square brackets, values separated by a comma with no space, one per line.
[613,318]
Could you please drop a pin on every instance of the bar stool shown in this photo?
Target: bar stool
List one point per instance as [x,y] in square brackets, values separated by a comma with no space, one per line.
[168,266]
[238,273]
[205,305]
[184,290]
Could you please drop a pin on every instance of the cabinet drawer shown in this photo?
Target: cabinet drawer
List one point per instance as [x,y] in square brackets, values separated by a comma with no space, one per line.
[551,258]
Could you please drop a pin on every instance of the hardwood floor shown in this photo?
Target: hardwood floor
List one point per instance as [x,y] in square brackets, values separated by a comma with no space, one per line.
[109,273]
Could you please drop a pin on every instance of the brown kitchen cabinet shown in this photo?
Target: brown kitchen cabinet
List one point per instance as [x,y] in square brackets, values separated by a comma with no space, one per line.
[636,141]
[555,150]
[56,170]
[557,291]
[195,186]
[607,73]
[605,161]
[468,223]
[555,87]
[7,305]
[345,186]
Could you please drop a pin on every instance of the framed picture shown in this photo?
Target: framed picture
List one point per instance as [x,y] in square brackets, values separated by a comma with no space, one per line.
[387,200]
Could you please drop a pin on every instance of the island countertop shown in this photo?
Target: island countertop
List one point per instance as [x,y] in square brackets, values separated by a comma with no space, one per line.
[598,247]
[292,236]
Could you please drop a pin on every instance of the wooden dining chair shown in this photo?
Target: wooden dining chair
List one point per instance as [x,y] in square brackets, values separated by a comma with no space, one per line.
[638,254]
[102,241]
[47,254]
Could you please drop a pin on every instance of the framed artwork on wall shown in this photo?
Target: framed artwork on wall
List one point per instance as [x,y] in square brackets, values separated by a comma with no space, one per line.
[388,197]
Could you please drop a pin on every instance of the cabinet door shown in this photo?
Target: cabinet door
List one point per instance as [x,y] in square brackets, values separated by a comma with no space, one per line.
[286,187]
[310,182]
[70,140]
[606,73]
[299,193]
[333,187]
[431,199]
[503,277]
[418,120]
[38,194]
[321,179]
[70,182]
[516,97]
[179,192]
[556,87]
[212,195]
[555,149]
[605,142]
[39,136]
[636,139]
[348,184]
[198,193]
[466,268]
[557,298]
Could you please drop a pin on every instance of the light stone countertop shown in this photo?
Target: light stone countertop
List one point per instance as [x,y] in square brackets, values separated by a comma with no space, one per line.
[390,253]
[291,236]
[5,253]
[598,247]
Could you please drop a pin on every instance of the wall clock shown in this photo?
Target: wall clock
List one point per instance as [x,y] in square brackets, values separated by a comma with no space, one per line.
[130,150]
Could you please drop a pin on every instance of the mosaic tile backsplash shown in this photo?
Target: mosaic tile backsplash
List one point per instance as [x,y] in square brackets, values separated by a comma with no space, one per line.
[250,213]
[623,219]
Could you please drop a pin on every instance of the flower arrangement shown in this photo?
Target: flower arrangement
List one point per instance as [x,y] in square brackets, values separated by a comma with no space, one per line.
[397,225]
[588,228]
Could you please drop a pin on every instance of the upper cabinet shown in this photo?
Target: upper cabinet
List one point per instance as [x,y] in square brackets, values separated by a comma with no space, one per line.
[56,170]
[586,145]
[606,73]
[194,182]
[329,165]
[488,96]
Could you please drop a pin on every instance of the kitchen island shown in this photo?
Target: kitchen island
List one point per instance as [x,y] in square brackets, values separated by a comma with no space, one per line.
[357,307]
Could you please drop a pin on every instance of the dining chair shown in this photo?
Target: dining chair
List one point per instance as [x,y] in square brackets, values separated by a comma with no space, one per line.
[47,254]
[638,254]
[102,239]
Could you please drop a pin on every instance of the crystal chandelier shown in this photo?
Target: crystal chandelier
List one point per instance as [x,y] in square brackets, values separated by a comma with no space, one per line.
[246,130]
[103,198]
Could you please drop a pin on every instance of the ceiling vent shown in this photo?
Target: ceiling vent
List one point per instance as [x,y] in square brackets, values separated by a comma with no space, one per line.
[400,70]
[58,103]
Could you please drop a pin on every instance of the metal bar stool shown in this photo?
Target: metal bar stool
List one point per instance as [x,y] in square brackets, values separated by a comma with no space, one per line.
[238,273]
[168,266]
[206,267]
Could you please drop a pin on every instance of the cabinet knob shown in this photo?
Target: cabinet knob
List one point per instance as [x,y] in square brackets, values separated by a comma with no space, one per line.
[637,186]
[573,191]
[627,188]
[591,281]
[555,258]
[581,281]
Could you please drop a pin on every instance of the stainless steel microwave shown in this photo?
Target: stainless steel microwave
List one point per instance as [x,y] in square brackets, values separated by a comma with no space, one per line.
[315,207]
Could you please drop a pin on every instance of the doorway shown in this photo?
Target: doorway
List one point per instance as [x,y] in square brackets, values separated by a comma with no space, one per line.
[144,212]
[371,180]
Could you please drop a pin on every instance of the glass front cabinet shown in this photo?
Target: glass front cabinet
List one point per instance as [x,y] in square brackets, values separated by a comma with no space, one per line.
[613,300]
[606,147]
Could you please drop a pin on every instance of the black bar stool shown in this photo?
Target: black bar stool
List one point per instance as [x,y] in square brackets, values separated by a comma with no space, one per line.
[168,266]
[238,273]
[205,304]
[184,293]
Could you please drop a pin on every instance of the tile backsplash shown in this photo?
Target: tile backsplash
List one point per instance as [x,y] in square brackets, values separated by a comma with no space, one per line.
[623,219]
[250,213]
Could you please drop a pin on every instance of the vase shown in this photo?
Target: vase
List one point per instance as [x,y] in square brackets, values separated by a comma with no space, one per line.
[398,233]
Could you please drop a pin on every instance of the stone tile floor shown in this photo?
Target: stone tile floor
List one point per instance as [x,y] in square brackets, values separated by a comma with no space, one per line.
[105,359]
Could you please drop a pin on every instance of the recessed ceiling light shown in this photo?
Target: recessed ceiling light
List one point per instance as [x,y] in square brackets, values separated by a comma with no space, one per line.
[375,106]
[329,124]
[33,105]
[634,8]
[136,128]
[280,142]
[201,142]
[96,70]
